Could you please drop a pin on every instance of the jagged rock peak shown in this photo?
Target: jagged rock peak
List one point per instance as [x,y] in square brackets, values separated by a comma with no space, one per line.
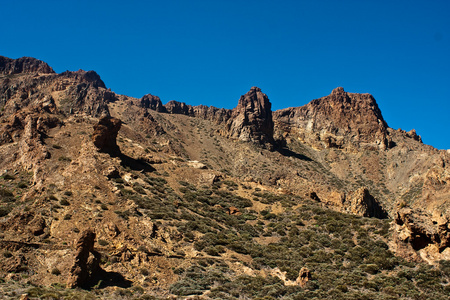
[255,100]
[338,90]
[87,76]
[152,102]
[339,120]
[9,66]
[105,135]
[251,119]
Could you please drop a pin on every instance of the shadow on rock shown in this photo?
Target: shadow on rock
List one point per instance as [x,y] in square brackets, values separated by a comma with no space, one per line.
[135,164]
[102,279]
[290,153]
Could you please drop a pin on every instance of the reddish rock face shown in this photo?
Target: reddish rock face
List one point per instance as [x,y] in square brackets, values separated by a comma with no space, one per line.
[79,272]
[153,103]
[23,65]
[251,120]
[339,120]
[181,108]
[105,134]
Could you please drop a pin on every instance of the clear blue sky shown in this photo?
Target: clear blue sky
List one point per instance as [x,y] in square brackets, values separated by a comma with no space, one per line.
[211,52]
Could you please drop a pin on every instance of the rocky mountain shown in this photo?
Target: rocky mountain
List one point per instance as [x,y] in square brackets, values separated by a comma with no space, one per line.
[133,198]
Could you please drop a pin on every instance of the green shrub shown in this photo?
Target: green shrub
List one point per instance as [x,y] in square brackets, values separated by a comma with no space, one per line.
[64,159]
[56,271]
[22,185]
[6,195]
[102,242]
[64,202]
[5,210]
[7,254]
[8,177]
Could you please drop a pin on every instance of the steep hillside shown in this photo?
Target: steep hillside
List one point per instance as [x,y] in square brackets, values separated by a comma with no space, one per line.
[133,198]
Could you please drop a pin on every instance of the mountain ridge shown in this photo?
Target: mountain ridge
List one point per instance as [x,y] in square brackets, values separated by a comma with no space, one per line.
[158,186]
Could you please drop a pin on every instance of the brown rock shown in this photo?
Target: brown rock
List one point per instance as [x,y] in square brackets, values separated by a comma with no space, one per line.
[233,211]
[87,77]
[413,134]
[23,65]
[303,277]
[15,264]
[196,164]
[105,134]
[111,229]
[37,225]
[111,172]
[420,229]
[153,103]
[209,178]
[79,272]
[251,120]
[362,203]
[181,108]
[214,114]
[339,120]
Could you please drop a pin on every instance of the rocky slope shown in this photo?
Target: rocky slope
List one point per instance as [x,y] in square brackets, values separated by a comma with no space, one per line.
[186,200]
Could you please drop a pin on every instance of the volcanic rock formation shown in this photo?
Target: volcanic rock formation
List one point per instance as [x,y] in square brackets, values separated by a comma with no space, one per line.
[23,65]
[339,120]
[420,229]
[251,120]
[362,203]
[153,103]
[81,269]
[105,135]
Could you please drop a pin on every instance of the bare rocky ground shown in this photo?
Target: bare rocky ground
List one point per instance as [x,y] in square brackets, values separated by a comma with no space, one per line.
[108,196]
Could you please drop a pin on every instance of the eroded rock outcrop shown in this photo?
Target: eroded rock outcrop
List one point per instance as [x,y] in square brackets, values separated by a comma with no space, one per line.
[362,203]
[251,120]
[83,267]
[304,276]
[23,65]
[105,135]
[340,120]
[217,115]
[153,103]
[420,229]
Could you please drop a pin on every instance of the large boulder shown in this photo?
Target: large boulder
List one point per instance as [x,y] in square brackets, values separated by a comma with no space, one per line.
[362,203]
[420,229]
[81,268]
[105,135]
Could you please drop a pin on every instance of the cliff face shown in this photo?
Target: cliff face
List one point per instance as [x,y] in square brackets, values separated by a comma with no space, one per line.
[24,65]
[251,120]
[73,92]
[340,120]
